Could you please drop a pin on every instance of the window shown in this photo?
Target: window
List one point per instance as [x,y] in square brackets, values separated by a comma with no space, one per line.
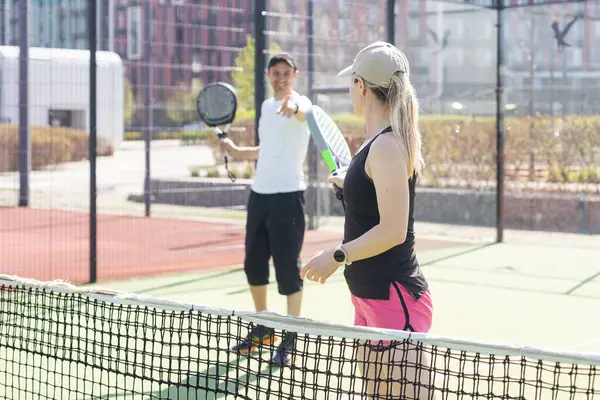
[122,21]
[342,29]
[457,57]
[414,28]
[421,56]
[414,5]
[134,33]
[373,16]
[578,29]
[484,29]
[574,57]
[485,58]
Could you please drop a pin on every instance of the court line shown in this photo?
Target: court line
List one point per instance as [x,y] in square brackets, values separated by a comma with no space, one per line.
[582,283]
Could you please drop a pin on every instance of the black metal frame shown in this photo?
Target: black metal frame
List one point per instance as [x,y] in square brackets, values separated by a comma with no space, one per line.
[499,6]
[260,61]
[92,44]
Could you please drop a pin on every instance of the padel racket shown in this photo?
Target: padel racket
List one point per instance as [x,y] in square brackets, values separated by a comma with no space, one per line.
[330,143]
[217,105]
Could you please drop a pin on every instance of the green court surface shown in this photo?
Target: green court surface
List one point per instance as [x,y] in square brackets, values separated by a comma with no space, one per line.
[535,295]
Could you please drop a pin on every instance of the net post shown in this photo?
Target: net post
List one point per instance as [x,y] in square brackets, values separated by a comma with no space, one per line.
[390,21]
[24,134]
[260,43]
[92,39]
[499,123]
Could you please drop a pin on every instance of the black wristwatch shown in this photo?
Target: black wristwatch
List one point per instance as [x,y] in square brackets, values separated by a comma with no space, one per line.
[297,109]
[339,254]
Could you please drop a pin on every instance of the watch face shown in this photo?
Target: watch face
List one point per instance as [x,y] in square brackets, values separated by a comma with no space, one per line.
[339,256]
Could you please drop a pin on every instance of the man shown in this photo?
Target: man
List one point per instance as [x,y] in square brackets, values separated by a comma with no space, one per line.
[275,214]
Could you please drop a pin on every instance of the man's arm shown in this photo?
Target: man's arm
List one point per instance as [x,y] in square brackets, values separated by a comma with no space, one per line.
[297,110]
[242,152]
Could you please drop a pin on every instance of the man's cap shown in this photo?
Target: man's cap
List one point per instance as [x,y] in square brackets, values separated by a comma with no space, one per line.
[377,63]
[285,57]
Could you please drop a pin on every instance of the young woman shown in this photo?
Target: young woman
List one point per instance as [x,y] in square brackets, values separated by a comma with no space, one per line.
[387,286]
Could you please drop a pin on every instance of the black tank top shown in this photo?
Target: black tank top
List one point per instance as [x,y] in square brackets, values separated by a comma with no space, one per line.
[371,278]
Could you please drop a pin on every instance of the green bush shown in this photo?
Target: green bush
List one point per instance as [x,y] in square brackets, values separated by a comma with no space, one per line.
[460,151]
[213,172]
[49,146]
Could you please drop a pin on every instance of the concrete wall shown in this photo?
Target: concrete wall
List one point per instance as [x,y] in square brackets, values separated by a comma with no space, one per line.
[529,211]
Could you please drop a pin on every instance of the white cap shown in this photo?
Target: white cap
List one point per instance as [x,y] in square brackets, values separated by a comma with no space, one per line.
[377,63]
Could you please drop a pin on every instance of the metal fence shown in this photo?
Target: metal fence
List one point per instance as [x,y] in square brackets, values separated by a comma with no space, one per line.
[510,122]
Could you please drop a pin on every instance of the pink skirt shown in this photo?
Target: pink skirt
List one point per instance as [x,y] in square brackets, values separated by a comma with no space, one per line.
[401,311]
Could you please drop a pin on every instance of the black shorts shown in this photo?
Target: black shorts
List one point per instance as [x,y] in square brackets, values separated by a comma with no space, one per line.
[275,227]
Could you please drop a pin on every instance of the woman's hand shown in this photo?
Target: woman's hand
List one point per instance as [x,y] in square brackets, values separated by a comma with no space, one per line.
[320,267]
[337,180]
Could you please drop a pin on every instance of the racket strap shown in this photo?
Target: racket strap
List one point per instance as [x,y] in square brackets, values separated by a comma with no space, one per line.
[230,175]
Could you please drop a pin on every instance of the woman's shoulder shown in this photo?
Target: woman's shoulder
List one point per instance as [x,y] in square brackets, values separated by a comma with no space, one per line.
[386,155]
[386,145]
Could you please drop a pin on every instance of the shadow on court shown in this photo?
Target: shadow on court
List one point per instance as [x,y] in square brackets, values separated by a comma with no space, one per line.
[583,283]
[458,254]
[220,380]
[181,283]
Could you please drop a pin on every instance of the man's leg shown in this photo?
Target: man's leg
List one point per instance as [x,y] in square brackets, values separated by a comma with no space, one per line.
[259,296]
[294,303]
[256,267]
[258,252]
[286,226]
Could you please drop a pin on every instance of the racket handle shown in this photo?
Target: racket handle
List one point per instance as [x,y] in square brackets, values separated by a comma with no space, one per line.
[222,135]
[339,193]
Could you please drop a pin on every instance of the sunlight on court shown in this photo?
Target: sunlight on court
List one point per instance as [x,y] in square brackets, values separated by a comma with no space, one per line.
[528,295]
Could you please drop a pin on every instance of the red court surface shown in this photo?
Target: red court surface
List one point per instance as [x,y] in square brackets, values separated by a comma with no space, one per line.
[54,244]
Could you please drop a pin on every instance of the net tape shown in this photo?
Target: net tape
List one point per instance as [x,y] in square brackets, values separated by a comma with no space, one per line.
[62,341]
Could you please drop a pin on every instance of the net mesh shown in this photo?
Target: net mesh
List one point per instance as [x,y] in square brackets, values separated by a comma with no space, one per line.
[59,341]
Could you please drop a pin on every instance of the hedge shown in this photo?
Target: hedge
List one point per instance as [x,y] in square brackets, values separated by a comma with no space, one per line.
[49,145]
[460,151]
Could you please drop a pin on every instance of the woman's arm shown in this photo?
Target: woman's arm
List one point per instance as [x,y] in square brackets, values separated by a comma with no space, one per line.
[386,165]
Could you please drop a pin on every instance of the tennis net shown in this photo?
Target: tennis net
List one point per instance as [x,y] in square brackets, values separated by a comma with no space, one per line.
[58,341]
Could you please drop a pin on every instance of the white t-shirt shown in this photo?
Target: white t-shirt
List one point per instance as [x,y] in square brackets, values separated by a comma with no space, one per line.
[283,146]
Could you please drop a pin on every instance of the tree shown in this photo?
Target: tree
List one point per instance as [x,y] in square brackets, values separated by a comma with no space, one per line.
[181,105]
[129,103]
[243,75]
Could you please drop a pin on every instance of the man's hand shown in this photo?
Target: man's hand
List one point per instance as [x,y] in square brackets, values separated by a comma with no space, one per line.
[288,108]
[227,145]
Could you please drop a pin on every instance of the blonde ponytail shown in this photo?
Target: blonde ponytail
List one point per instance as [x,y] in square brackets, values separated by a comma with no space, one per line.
[401,97]
[404,119]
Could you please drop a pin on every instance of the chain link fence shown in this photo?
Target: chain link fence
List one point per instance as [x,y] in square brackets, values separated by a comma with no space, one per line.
[158,164]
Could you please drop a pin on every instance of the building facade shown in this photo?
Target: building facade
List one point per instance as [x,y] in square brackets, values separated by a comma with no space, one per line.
[451,46]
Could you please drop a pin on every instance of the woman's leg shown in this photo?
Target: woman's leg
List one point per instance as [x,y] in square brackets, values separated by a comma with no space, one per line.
[398,372]
[400,369]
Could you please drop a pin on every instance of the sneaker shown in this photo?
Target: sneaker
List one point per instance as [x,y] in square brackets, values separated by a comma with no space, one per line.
[285,353]
[258,336]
